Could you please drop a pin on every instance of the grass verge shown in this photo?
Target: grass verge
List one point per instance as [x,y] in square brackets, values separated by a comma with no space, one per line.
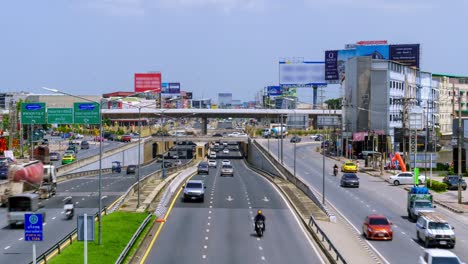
[117,230]
[140,238]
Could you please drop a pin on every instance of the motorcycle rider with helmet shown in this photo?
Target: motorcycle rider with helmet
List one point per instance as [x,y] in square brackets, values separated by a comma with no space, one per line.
[260,217]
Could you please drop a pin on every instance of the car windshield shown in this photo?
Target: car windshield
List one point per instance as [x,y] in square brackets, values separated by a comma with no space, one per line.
[349,164]
[423,204]
[350,176]
[227,167]
[440,226]
[378,221]
[194,185]
[203,165]
[445,260]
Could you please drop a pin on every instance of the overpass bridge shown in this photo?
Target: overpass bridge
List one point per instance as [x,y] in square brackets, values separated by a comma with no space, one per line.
[204,114]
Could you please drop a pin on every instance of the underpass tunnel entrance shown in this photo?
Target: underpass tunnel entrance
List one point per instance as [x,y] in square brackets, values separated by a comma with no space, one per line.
[154,150]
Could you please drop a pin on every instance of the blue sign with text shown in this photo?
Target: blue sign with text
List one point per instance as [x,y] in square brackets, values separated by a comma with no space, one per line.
[33,227]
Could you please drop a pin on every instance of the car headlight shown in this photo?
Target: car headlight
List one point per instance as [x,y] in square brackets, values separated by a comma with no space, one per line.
[369,229]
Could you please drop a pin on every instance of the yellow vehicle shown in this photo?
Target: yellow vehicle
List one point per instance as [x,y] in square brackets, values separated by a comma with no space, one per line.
[68,158]
[349,167]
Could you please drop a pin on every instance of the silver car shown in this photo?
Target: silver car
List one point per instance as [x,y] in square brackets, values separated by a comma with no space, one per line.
[194,190]
[227,170]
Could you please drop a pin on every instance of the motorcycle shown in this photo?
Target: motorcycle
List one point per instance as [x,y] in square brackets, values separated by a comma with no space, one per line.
[335,171]
[259,228]
[69,211]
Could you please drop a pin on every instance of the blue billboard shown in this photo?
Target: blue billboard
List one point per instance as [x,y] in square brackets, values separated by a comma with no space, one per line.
[274,90]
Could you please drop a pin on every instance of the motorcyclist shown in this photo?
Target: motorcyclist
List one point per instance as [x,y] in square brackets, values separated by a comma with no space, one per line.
[69,205]
[335,169]
[260,217]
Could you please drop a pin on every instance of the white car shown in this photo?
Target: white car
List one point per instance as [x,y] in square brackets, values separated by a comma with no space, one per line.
[225,144]
[242,135]
[212,163]
[79,136]
[234,134]
[433,256]
[213,155]
[405,178]
[226,162]
[226,151]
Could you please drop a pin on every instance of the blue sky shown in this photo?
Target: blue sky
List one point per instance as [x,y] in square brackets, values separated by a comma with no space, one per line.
[210,46]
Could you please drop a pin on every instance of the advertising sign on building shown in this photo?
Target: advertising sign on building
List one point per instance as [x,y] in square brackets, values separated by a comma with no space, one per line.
[274,90]
[189,95]
[335,60]
[33,113]
[372,42]
[148,82]
[302,74]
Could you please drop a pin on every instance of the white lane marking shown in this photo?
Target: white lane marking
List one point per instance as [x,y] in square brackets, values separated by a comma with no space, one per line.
[211,206]
[44,224]
[209,212]
[260,248]
[209,217]
[7,247]
[265,199]
[21,238]
[263,258]
[208,223]
[53,218]
[82,199]
[230,199]
[258,239]
[205,246]
[204,256]
[206,238]
[207,230]
[62,212]
[403,233]
[77,202]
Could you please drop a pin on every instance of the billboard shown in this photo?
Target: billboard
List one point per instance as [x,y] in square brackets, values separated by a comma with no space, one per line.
[170,88]
[274,90]
[224,99]
[148,82]
[335,60]
[303,74]
[189,95]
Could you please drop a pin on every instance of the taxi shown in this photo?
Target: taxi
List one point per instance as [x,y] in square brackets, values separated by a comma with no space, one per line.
[68,158]
[349,166]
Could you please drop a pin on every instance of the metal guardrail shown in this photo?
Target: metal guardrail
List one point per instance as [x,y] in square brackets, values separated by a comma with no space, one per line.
[133,239]
[339,258]
[44,257]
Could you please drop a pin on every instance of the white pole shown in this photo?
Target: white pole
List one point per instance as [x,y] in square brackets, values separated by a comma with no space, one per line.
[85,239]
[34,253]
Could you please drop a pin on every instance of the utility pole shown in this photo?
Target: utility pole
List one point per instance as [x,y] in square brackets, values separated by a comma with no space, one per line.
[405,109]
[460,139]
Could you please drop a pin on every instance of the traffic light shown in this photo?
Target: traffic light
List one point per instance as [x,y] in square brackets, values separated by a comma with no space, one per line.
[455,160]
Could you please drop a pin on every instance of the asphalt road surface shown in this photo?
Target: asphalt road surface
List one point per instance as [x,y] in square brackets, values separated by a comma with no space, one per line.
[85,196]
[374,196]
[221,230]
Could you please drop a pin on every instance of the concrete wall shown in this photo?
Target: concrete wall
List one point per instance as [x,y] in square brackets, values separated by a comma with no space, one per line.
[259,161]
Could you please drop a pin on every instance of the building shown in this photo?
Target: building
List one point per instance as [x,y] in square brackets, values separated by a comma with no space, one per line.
[379,95]
[201,103]
[8,100]
[451,88]
[224,100]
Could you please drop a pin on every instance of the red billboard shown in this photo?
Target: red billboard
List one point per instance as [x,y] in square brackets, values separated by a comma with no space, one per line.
[148,82]
[372,42]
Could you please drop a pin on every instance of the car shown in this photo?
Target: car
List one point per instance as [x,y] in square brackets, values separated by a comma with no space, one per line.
[54,156]
[405,178]
[194,190]
[227,170]
[325,144]
[349,166]
[177,163]
[203,167]
[69,151]
[116,166]
[226,162]
[68,158]
[212,163]
[225,144]
[212,155]
[84,144]
[74,148]
[126,138]
[45,141]
[242,135]
[234,134]
[217,135]
[101,139]
[314,137]
[79,136]
[3,172]
[432,229]
[295,139]
[439,256]
[225,151]
[377,227]
[160,134]
[452,182]
[168,164]
[349,179]
[131,169]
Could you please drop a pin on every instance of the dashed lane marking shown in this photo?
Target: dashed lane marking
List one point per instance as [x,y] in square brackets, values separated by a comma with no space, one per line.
[7,247]
[21,238]
[53,218]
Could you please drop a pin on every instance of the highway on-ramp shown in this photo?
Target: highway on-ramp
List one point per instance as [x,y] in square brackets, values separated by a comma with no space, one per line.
[374,196]
[221,230]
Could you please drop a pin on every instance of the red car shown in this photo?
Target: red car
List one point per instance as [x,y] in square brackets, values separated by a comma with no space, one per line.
[98,138]
[126,138]
[377,227]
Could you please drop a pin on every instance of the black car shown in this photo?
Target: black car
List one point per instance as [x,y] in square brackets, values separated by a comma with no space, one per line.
[203,167]
[84,144]
[160,134]
[168,164]
[131,169]
[452,182]
[3,172]
[349,180]
[45,141]
[217,135]
[295,139]
[319,138]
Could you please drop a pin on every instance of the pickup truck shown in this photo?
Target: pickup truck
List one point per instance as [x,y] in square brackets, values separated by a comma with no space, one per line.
[419,200]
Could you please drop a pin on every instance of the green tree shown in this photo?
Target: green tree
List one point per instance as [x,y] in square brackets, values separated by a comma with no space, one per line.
[334,103]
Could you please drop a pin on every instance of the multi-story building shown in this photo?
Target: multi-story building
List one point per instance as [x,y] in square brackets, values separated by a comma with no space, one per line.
[451,88]
[380,94]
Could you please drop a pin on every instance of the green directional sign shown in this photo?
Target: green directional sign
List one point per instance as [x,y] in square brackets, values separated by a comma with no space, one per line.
[33,113]
[60,115]
[86,113]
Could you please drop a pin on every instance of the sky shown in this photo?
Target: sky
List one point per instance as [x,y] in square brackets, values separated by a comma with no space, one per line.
[210,46]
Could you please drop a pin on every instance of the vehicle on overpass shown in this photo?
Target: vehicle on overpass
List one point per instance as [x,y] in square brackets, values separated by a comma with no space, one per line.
[131,169]
[68,158]
[116,167]
[22,204]
[279,131]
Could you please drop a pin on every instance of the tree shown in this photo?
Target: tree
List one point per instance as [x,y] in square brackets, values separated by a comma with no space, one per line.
[334,103]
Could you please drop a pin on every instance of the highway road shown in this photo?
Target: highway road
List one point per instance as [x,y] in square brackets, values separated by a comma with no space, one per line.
[221,230]
[85,196]
[373,196]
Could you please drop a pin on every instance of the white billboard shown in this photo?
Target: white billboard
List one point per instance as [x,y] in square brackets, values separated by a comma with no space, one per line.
[302,74]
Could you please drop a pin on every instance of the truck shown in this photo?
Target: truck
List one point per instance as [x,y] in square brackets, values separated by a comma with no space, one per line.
[21,204]
[419,201]
[279,131]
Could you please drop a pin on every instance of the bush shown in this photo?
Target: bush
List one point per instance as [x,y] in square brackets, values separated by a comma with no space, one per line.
[442,167]
[437,186]
[443,174]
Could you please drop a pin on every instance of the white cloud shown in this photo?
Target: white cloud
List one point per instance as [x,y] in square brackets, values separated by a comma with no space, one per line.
[225,5]
[400,6]
[119,7]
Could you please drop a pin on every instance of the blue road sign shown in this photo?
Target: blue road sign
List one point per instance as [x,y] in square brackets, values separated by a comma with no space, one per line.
[33,227]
